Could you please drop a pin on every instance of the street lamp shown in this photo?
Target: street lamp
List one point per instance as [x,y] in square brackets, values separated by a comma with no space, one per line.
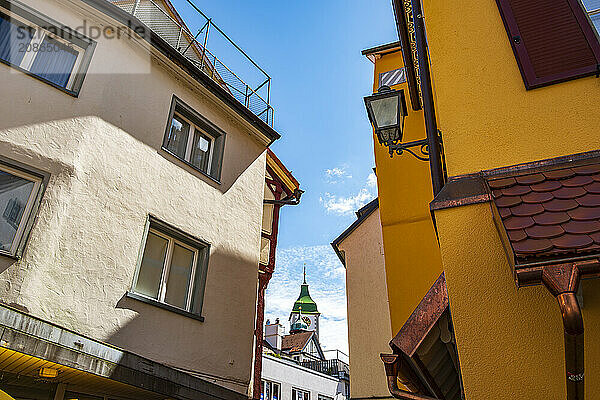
[387,110]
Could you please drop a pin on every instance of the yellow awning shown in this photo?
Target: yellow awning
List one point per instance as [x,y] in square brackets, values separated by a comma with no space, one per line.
[4,396]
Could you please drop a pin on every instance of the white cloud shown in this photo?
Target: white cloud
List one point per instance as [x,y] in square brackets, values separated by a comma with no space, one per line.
[337,174]
[372,180]
[346,205]
[343,205]
[326,277]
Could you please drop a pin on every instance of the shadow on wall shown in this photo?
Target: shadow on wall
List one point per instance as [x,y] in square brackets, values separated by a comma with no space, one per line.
[221,345]
[129,103]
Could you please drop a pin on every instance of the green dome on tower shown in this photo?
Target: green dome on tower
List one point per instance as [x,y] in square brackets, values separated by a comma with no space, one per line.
[305,302]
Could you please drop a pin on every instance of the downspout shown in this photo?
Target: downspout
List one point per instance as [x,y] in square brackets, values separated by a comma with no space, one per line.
[264,276]
[563,282]
[433,137]
[394,366]
[263,281]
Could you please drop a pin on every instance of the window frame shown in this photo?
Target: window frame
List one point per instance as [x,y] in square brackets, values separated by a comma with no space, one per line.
[31,209]
[590,14]
[46,27]
[201,250]
[203,125]
[266,382]
[297,389]
[324,397]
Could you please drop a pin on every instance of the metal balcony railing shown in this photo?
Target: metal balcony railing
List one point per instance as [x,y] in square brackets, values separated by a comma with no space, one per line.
[336,367]
[195,47]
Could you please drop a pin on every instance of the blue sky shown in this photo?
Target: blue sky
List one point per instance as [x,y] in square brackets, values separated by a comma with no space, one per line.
[311,49]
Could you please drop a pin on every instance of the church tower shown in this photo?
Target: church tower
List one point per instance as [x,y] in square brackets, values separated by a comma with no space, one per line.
[304,315]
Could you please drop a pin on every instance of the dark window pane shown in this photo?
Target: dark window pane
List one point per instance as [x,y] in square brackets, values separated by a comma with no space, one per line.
[178,137]
[180,274]
[201,151]
[14,38]
[54,61]
[148,281]
[14,194]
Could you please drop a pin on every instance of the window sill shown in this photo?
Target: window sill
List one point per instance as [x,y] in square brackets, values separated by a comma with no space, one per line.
[147,300]
[189,164]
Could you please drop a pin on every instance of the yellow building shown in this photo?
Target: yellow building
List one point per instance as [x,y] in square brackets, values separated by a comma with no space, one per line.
[511,87]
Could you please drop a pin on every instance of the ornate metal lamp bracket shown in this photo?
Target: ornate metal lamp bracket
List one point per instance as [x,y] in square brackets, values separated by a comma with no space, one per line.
[400,148]
[421,154]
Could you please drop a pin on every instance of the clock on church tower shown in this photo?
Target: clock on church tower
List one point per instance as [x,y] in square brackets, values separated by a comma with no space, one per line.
[304,315]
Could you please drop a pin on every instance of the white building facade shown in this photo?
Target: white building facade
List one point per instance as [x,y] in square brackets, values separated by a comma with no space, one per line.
[286,380]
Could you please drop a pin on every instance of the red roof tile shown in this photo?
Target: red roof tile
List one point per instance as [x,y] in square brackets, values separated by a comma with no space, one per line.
[550,213]
[295,341]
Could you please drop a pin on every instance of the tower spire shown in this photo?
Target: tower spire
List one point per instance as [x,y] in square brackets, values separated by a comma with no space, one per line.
[305,273]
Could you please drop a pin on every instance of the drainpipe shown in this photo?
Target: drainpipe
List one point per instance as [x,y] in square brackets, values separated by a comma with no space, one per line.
[433,137]
[563,281]
[263,281]
[393,366]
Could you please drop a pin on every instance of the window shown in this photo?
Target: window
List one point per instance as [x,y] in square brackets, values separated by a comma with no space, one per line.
[270,390]
[553,41]
[44,49]
[299,394]
[593,9]
[322,397]
[20,192]
[194,140]
[172,270]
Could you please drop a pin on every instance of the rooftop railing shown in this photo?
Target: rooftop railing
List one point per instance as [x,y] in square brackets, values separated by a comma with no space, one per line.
[335,367]
[164,21]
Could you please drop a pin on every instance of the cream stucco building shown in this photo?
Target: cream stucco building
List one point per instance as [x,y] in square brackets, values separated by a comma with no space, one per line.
[360,249]
[131,199]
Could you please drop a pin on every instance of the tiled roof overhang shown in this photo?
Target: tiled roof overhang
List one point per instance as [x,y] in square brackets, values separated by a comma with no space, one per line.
[546,212]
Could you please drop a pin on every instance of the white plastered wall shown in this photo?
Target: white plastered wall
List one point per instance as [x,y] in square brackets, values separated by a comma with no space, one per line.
[107,173]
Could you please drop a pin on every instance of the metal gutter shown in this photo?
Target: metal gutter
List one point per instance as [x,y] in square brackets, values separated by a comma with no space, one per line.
[433,135]
[162,46]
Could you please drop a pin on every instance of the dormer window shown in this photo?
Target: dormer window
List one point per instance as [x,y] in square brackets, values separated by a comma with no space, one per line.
[194,140]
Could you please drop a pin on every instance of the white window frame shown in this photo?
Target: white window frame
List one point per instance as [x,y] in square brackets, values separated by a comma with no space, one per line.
[162,289]
[190,142]
[38,38]
[27,209]
[272,383]
[323,397]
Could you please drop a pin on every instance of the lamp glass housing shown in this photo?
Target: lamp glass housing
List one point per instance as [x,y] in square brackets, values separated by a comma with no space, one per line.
[386,110]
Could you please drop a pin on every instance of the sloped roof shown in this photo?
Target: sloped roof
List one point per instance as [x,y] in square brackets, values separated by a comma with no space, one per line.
[296,341]
[361,216]
[282,172]
[550,213]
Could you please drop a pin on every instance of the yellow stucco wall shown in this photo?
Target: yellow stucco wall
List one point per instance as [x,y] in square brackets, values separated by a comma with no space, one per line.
[481,100]
[412,257]
[510,341]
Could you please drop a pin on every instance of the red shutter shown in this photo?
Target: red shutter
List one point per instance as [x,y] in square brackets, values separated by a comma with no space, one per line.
[553,40]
